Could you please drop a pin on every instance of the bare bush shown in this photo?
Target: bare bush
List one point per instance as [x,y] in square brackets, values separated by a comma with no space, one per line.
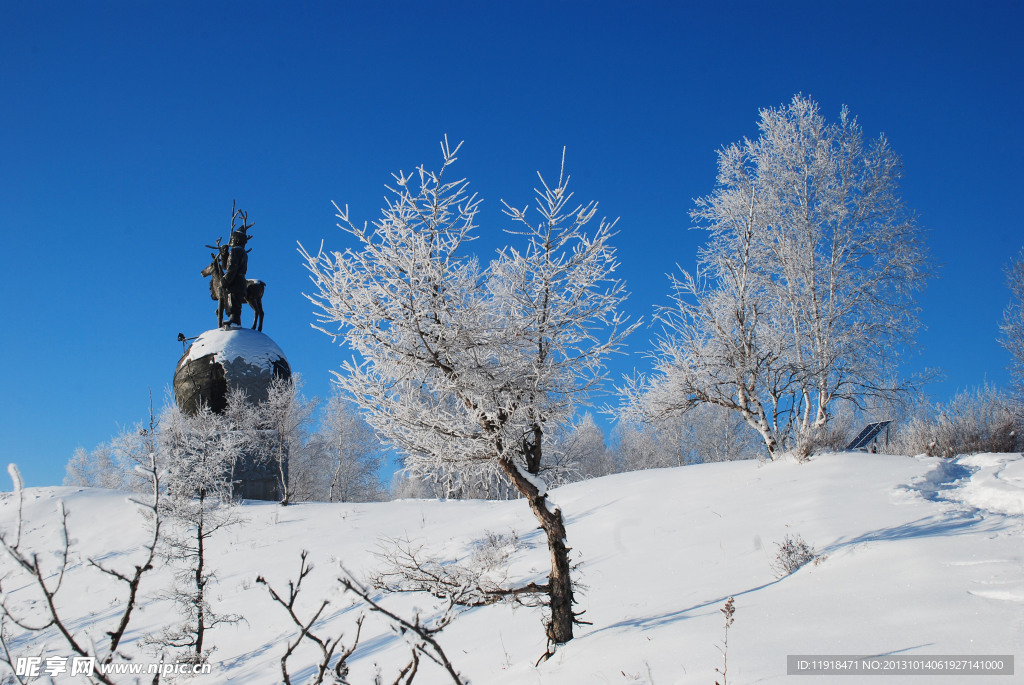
[793,553]
[420,635]
[830,437]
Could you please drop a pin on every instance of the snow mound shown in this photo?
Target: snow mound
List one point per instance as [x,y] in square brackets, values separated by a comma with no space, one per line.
[997,483]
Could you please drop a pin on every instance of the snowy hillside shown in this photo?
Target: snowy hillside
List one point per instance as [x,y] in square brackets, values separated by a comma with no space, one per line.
[918,556]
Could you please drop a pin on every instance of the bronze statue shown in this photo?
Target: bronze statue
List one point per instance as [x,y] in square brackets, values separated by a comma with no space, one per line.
[234,275]
[228,284]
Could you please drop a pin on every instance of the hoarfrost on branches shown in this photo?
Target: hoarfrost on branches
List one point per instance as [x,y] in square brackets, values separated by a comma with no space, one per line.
[461,364]
[803,298]
[1013,321]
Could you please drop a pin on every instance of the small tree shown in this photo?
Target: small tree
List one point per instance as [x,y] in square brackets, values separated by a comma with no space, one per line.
[467,365]
[580,452]
[96,468]
[114,464]
[347,455]
[280,428]
[706,433]
[201,450]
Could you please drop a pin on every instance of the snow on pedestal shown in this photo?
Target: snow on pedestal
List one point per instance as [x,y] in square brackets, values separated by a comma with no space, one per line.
[221,360]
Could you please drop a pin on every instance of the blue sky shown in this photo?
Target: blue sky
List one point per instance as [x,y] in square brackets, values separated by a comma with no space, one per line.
[127,129]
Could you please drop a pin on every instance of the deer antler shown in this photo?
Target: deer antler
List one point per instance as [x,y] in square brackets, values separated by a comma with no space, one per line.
[235,213]
[217,246]
[245,221]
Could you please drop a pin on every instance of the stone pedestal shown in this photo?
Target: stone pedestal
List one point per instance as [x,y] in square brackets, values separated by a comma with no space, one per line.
[222,360]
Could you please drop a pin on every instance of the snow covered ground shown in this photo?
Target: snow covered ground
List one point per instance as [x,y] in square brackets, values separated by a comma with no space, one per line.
[919,556]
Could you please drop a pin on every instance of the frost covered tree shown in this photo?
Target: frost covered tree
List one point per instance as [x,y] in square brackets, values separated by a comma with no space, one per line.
[706,433]
[580,452]
[114,464]
[200,452]
[711,434]
[1013,321]
[345,455]
[96,468]
[279,428]
[466,365]
[803,297]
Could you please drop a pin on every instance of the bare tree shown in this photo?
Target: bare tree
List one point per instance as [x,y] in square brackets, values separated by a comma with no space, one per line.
[48,581]
[420,635]
[464,364]
[804,293]
[333,664]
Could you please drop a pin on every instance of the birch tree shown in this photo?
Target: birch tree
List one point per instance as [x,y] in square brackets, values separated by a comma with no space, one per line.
[1013,321]
[462,364]
[804,295]
[351,454]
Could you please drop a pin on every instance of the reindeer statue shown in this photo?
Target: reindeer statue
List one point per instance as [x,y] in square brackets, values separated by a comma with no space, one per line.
[220,289]
[253,289]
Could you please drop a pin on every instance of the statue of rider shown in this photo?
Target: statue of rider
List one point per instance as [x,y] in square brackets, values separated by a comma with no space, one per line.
[234,276]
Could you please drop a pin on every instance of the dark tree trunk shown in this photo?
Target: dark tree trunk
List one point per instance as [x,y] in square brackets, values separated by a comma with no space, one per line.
[559,630]
[200,582]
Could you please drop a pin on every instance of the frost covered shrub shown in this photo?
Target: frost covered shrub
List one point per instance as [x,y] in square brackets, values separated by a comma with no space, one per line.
[834,436]
[792,554]
[495,549]
[113,464]
[984,419]
[701,435]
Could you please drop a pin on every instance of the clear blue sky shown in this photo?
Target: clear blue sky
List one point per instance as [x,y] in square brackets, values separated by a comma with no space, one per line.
[127,129]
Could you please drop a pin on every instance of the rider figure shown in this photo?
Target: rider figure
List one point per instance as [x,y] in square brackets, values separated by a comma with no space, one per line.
[234,276]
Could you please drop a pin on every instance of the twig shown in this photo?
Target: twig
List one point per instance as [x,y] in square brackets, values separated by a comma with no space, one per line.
[435,653]
[326,645]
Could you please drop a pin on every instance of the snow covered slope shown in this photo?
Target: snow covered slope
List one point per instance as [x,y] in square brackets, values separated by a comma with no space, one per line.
[918,556]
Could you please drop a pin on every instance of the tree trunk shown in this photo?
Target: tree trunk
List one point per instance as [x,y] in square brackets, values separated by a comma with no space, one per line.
[560,596]
[199,600]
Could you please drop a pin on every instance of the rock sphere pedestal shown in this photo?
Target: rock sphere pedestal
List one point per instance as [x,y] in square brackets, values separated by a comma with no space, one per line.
[222,360]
